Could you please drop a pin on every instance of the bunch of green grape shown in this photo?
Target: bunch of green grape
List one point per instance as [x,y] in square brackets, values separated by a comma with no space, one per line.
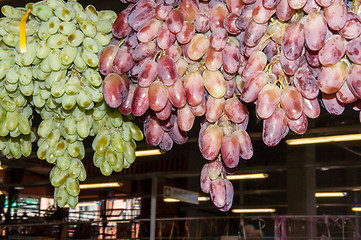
[58,77]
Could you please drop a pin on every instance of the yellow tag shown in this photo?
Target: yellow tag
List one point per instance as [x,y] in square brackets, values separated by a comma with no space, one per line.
[22,32]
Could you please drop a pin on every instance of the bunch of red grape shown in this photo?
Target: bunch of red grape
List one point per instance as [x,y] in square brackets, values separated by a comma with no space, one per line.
[171,61]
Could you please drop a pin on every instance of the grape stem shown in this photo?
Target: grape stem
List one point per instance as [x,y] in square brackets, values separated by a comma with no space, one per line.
[355,6]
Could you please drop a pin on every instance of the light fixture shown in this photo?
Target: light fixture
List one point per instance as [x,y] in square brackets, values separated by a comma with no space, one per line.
[324,139]
[330,194]
[100,185]
[172,200]
[254,210]
[356,209]
[247,176]
[83,204]
[151,152]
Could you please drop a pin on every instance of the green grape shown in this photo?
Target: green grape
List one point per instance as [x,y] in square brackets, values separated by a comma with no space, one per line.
[101,142]
[79,63]
[59,177]
[45,127]
[57,41]
[129,152]
[53,4]
[29,56]
[116,118]
[44,94]
[42,150]
[63,162]
[12,120]
[10,39]
[98,114]
[102,38]
[53,25]
[91,12]
[75,168]
[117,142]
[73,201]
[53,137]
[83,174]
[103,26]
[105,168]
[14,146]
[6,53]
[63,13]
[97,159]
[38,101]
[67,28]
[90,45]
[42,50]
[84,98]
[3,143]
[54,77]
[24,125]
[61,196]
[13,13]
[12,76]
[2,113]
[60,148]
[11,87]
[72,186]
[27,90]
[8,104]
[75,38]
[50,156]
[74,149]
[5,66]
[57,90]
[68,54]
[68,101]
[25,75]
[111,156]
[83,128]
[119,165]
[81,17]
[90,59]
[54,59]
[15,133]
[26,148]
[93,77]
[69,125]
[72,85]
[43,12]
[126,132]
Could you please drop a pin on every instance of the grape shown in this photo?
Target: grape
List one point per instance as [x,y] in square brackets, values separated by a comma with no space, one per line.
[218,13]
[230,88]
[332,104]
[336,15]
[306,83]
[149,31]
[198,46]
[115,89]
[274,127]
[353,50]
[140,102]
[291,102]
[167,142]
[153,132]
[234,110]
[230,25]
[165,38]
[283,10]
[310,6]
[256,62]
[174,21]
[353,78]
[165,112]
[244,18]
[177,94]
[315,29]
[229,196]
[141,51]
[231,58]
[270,3]
[299,125]
[297,4]
[332,51]
[215,168]
[268,99]
[193,85]
[345,94]
[230,149]
[200,109]
[352,28]
[167,70]
[214,108]
[185,118]
[254,85]
[202,22]
[140,14]
[293,41]
[205,181]
[289,66]
[331,79]
[213,59]
[254,32]
[218,192]
[158,95]
[162,10]
[261,14]
[189,10]
[218,39]
[211,142]
[178,136]
[186,34]
[214,83]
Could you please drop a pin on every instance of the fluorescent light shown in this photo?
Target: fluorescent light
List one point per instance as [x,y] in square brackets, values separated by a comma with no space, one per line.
[356,209]
[324,139]
[330,194]
[254,210]
[203,199]
[151,152]
[83,204]
[172,200]
[100,185]
[247,176]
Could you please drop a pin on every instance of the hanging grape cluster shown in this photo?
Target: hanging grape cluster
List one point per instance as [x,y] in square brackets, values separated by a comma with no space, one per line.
[58,77]
[171,61]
